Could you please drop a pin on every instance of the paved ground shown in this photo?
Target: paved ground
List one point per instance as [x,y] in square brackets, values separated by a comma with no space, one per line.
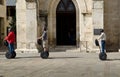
[60,64]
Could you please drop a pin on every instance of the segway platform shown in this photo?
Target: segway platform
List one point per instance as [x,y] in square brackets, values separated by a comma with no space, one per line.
[102,55]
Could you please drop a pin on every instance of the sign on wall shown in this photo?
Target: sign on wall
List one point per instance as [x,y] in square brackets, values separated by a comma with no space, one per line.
[97,31]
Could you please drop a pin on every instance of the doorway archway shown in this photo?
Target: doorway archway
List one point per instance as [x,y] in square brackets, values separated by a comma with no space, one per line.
[52,38]
[66,23]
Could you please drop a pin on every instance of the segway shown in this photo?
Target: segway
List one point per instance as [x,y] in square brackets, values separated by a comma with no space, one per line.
[102,55]
[10,55]
[43,54]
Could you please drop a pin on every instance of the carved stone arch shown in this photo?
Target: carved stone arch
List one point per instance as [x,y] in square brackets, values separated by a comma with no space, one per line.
[52,21]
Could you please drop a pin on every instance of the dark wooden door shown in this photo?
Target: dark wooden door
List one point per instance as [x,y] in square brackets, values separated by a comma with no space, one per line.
[66,23]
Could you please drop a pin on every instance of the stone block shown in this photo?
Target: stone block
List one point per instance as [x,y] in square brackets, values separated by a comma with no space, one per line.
[98,4]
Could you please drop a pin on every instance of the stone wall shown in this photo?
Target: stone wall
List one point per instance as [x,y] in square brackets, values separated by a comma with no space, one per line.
[98,19]
[26,26]
[89,15]
[83,21]
[2,20]
[112,24]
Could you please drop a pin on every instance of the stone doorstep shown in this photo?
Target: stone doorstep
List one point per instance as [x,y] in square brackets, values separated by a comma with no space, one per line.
[63,48]
[73,49]
[56,49]
[26,50]
[59,49]
[2,53]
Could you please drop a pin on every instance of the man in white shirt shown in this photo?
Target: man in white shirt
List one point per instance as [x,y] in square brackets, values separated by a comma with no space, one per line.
[102,38]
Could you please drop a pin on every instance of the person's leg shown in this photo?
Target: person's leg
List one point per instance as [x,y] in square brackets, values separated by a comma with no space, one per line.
[45,45]
[103,45]
[11,47]
[45,49]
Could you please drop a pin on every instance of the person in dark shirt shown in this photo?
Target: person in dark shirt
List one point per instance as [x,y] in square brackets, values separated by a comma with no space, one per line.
[44,40]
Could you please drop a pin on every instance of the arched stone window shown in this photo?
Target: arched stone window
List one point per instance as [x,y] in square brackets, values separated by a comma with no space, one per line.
[65,6]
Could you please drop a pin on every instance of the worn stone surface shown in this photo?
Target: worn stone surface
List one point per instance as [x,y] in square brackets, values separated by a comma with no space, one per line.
[26,21]
[26,26]
[60,64]
[2,20]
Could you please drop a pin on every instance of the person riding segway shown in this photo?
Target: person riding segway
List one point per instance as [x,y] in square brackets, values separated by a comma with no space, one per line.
[45,53]
[102,38]
[9,42]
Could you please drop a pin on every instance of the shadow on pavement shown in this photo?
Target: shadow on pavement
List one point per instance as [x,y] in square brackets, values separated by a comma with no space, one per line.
[63,57]
[28,57]
[112,59]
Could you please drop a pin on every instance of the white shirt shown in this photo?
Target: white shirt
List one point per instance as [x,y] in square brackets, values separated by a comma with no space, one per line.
[102,36]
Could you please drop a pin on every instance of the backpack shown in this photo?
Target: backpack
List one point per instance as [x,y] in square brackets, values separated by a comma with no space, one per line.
[96,42]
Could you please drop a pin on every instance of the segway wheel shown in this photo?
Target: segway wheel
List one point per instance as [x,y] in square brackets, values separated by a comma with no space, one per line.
[102,56]
[13,54]
[8,55]
[44,55]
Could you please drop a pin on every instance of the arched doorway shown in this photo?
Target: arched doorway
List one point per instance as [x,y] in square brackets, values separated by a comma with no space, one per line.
[66,23]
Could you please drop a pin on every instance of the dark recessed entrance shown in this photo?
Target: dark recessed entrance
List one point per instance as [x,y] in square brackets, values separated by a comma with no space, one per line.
[66,23]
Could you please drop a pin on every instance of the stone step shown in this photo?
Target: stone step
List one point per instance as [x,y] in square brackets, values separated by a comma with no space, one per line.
[65,48]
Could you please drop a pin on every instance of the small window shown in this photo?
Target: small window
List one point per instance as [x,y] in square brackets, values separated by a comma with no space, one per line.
[2,2]
[97,31]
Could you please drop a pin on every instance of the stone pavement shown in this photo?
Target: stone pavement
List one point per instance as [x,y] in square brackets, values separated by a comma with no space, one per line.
[60,64]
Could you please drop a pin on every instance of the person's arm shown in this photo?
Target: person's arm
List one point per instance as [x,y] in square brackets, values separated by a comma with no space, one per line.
[41,36]
[100,36]
[7,37]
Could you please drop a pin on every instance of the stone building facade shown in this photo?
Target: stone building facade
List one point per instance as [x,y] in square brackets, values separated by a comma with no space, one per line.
[7,12]
[112,24]
[80,19]
[2,20]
